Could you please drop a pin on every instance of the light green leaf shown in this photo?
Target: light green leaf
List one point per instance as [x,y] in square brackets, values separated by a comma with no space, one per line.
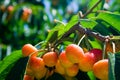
[91,75]
[55,33]
[88,23]
[111,18]
[95,44]
[98,7]
[73,21]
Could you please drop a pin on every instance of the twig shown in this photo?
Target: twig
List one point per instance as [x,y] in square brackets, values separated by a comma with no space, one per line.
[90,10]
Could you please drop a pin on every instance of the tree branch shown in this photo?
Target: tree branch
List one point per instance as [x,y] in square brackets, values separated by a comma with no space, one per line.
[82,30]
[90,10]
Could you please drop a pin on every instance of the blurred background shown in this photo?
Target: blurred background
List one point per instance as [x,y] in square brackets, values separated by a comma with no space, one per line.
[28,21]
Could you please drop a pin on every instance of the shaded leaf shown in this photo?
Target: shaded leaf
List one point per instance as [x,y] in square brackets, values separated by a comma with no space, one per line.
[56,76]
[82,76]
[18,70]
[117,66]
[8,62]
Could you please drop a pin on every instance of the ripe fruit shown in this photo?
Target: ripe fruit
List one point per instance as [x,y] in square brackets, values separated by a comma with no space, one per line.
[97,53]
[28,77]
[10,8]
[86,64]
[50,59]
[72,71]
[28,70]
[37,65]
[26,13]
[27,49]
[64,60]
[74,53]
[100,69]
[59,68]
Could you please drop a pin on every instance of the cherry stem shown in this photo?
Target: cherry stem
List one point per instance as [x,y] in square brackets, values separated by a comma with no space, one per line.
[57,21]
[81,39]
[104,49]
[113,46]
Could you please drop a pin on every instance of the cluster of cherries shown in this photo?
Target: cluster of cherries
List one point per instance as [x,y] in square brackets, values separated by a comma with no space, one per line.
[67,63]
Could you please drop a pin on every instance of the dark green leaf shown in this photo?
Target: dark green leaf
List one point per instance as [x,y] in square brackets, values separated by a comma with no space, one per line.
[117,66]
[8,62]
[111,66]
[18,70]
[101,28]
[56,76]
[82,76]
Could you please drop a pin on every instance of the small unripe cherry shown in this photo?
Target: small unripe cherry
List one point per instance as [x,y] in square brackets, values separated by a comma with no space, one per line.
[50,59]
[27,49]
[64,60]
[100,69]
[74,53]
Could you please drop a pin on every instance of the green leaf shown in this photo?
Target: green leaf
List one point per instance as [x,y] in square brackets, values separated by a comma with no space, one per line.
[101,28]
[111,66]
[55,33]
[56,76]
[72,22]
[111,18]
[95,44]
[91,75]
[8,62]
[93,2]
[82,76]
[18,70]
[88,23]
[98,7]
[117,66]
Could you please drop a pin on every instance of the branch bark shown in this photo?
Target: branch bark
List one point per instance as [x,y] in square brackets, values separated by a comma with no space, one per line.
[82,30]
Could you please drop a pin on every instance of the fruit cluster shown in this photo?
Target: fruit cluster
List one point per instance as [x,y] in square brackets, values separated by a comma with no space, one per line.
[67,63]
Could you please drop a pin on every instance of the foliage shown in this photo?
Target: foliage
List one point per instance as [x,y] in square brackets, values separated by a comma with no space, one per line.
[103,23]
